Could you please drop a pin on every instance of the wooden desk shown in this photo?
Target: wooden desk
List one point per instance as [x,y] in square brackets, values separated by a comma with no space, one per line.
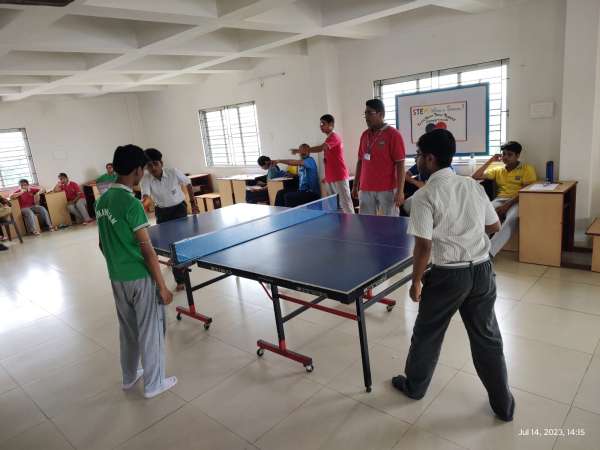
[225,190]
[546,223]
[234,188]
[56,204]
[594,231]
[201,183]
[277,184]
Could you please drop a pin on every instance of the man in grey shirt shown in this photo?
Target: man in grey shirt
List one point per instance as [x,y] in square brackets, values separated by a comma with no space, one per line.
[451,218]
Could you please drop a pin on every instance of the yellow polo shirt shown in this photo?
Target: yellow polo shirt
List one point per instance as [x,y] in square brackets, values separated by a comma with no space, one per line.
[510,182]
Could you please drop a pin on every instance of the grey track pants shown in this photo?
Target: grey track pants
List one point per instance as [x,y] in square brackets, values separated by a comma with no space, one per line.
[142,328]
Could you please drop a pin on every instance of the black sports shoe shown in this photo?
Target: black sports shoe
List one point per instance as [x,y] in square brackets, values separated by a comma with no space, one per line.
[3,247]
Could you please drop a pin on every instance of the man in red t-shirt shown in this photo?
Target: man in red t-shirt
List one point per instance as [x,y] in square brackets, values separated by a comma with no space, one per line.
[336,172]
[26,198]
[379,182]
[75,200]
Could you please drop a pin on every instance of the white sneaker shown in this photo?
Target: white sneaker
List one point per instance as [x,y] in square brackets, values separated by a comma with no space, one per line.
[138,375]
[167,384]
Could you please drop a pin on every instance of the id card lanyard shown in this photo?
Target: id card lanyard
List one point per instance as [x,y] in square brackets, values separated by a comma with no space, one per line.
[371,143]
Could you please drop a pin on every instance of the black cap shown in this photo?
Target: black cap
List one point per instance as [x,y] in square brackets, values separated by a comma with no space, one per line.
[127,158]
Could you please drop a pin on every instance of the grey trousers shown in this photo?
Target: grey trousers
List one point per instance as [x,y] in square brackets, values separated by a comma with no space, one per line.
[342,189]
[471,291]
[29,217]
[79,210]
[142,328]
[370,202]
[509,226]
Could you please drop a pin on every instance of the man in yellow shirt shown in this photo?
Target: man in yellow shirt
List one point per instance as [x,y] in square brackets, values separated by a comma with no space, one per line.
[509,180]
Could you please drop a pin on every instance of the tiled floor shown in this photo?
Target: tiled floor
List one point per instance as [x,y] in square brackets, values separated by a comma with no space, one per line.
[60,377]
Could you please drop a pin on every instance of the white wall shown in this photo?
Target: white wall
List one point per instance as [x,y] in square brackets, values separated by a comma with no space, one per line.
[287,114]
[76,136]
[580,145]
[530,35]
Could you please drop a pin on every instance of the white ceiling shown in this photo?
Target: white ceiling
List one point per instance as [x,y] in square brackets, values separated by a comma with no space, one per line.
[93,47]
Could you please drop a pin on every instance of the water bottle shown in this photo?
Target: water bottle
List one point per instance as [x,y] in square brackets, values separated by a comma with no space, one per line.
[550,172]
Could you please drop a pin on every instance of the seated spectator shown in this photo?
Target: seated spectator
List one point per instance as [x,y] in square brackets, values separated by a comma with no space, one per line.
[104,181]
[273,170]
[309,188]
[26,198]
[510,179]
[75,200]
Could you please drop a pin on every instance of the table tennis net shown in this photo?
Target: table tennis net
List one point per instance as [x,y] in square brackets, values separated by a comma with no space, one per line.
[194,248]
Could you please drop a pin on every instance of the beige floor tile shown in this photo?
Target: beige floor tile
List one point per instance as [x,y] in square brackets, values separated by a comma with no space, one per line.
[255,399]
[381,323]
[204,364]
[105,333]
[543,369]
[114,416]
[386,363]
[330,420]
[6,381]
[187,429]
[565,294]
[72,385]
[508,263]
[581,431]
[461,413]
[588,396]
[85,317]
[17,414]
[261,325]
[44,436]
[504,307]
[45,359]
[331,353]
[26,338]
[556,326]
[513,286]
[574,275]
[19,315]
[418,439]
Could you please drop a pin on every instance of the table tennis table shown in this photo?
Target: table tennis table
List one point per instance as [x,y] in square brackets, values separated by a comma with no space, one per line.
[314,249]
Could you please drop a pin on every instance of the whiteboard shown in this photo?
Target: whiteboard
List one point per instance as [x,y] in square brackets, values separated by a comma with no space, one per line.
[462,110]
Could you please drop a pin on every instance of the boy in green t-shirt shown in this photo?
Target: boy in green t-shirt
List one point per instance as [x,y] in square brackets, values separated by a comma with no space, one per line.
[138,286]
[104,181]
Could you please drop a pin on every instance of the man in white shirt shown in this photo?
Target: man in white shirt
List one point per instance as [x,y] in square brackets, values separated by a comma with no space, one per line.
[451,218]
[161,186]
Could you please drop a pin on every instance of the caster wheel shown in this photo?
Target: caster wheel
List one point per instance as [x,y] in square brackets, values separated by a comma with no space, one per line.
[389,308]
[309,368]
[369,389]
[260,351]
[206,326]
[178,316]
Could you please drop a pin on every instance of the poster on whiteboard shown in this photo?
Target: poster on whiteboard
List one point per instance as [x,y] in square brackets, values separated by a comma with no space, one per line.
[462,110]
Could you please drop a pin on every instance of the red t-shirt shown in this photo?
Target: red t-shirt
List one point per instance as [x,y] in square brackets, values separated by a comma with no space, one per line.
[71,190]
[385,147]
[335,165]
[27,200]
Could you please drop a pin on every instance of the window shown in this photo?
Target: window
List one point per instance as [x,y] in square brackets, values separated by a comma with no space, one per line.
[16,162]
[495,73]
[230,135]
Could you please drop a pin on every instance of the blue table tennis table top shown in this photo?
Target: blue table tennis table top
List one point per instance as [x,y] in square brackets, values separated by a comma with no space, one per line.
[335,253]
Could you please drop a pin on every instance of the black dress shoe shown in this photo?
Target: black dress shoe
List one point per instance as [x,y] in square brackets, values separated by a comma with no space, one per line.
[3,247]
[399,382]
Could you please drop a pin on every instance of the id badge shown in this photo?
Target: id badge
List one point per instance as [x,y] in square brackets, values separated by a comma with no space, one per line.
[367,157]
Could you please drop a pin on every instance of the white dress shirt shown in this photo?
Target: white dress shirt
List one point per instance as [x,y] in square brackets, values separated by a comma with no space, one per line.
[452,211]
[166,191]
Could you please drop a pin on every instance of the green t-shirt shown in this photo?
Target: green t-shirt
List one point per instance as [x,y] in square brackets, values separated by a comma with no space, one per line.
[106,178]
[119,215]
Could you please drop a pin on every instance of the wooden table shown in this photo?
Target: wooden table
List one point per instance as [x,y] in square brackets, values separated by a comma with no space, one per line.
[233,188]
[56,204]
[594,231]
[546,223]
[275,185]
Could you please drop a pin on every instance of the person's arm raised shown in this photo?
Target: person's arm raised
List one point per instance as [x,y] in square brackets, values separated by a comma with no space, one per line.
[479,174]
